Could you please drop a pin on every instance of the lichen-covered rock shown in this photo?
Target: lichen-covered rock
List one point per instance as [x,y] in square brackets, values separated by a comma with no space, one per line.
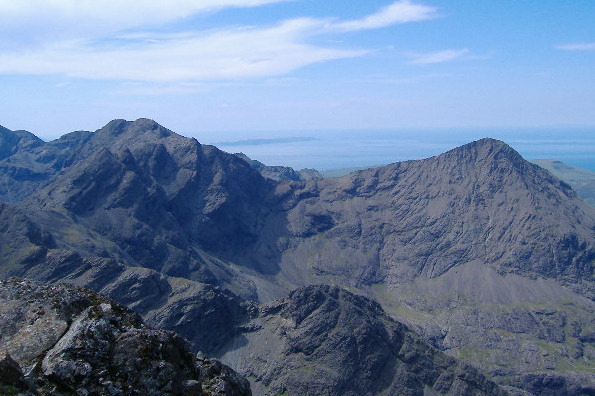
[71,340]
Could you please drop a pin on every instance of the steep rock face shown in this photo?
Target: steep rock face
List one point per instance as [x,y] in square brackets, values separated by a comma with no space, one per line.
[165,201]
[336,343]
[70,340]
[413,219]
[205,315]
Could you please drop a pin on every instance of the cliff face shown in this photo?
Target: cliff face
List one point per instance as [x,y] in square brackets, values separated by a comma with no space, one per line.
[487,256]
[163,201]
[61,339]
[418,219]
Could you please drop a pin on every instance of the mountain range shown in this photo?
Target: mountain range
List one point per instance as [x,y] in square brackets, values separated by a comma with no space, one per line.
[468,272]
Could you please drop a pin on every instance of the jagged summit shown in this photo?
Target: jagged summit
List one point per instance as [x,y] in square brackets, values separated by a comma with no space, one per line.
[486,143]
[487,151]
[138,127]
[118,135]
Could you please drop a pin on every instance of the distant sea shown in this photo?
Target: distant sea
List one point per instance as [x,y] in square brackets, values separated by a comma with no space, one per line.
[334,149]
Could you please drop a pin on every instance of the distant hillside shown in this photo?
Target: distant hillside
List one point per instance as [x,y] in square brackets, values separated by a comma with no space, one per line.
[345,171]
[581,180]
[280,173]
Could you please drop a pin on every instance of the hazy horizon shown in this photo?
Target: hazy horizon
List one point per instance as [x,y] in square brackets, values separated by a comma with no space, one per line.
[338,149]
[281,65]
[333,149]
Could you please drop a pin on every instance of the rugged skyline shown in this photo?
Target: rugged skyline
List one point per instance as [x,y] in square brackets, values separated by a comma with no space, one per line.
[247,65]
[486,256]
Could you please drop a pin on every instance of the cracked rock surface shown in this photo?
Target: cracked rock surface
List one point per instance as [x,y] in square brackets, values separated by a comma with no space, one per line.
[61,339]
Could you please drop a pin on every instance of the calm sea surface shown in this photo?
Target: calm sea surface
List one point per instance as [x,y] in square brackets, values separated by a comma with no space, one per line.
[325,150]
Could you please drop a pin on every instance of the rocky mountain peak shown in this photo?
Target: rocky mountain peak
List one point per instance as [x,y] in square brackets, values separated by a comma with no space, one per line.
[120,134]
[493,153]
[141,125]
[488,145]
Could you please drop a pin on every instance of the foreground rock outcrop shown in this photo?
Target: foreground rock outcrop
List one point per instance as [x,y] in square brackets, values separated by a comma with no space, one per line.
[61,339]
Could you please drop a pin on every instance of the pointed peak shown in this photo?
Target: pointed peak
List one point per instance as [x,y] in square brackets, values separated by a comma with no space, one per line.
[485,149]
[489,143]
[146,123]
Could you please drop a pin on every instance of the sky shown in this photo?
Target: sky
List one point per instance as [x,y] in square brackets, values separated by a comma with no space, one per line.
[230,69]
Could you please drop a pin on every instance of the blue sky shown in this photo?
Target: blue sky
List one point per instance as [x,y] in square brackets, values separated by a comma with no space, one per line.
[224,69]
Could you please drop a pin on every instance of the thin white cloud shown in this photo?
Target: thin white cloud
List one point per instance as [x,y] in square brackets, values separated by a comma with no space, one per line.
[399,12]
[576,47]
[438,56]
[231,54]
[125,13]
[35,22]
[125,50]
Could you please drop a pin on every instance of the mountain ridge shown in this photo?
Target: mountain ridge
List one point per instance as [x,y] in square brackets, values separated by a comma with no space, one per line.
[134,194]
[350,339]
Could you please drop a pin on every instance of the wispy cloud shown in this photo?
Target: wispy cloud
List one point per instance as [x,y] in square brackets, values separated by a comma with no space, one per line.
[437,56]
[110,39]
[229,54]
[399,12]
[576,47]
[76,18]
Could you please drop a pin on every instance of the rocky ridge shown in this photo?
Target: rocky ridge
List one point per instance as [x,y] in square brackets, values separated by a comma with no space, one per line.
[280,173]
[206,315]
[60,339]
[334,342]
